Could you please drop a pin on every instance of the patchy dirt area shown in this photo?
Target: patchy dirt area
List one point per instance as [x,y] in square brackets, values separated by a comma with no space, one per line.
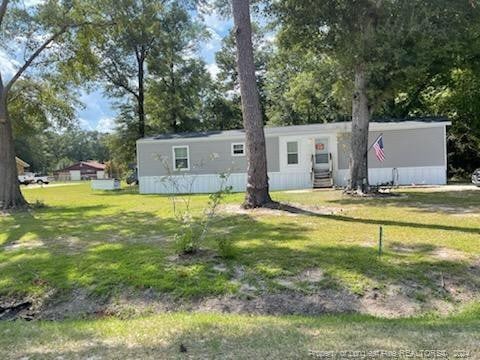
[290,209]
[442,188]
[301,294]
[439,253]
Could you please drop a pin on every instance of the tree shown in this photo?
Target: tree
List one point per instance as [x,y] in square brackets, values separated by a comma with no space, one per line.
[122,142]
[220,112]
[140,38]
[227,78]
[378,44]
[257,194]
[42,30]
[175,84]
[34,108]
[178,80]
[122,50]
[303,87]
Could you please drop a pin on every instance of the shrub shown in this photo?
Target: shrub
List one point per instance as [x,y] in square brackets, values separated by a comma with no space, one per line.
[193,231]
[225,247]
[187,238]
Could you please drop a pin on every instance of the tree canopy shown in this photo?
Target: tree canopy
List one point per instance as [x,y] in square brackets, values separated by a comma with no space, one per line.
[420,58]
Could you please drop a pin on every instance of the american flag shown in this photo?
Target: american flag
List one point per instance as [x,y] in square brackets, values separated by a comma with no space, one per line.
[378,147]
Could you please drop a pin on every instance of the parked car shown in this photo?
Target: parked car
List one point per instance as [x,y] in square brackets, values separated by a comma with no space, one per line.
[40,179]
[27,178]
[476,177]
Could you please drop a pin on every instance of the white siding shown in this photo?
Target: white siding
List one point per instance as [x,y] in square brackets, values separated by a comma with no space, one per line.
[211,183]
[426,175]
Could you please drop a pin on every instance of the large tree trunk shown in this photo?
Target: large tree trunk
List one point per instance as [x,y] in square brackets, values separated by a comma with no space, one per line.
[359,141]
[257,194]
[10,195]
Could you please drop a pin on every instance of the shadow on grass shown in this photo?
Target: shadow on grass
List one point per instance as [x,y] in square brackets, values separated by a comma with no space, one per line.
[444,202]
[349,219]
[108,252]
[84,222]
[217,336]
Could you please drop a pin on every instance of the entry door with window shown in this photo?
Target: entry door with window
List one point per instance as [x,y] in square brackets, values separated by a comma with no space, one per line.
[322,156]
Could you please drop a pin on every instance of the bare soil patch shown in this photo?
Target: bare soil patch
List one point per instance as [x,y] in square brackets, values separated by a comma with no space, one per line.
[282,209]
[407,298]
[305,293]
[23,245]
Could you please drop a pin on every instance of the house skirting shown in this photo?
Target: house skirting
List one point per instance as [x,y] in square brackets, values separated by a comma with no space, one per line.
[208,183]
[425,175]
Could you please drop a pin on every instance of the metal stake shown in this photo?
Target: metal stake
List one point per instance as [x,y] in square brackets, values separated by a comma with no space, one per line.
[380,240]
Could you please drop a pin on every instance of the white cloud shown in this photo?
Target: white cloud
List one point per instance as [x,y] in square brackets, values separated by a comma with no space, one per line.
[217,26]
[212,19]
[29,3]
[84,124]
[106,125]
[213,69]
[217,23]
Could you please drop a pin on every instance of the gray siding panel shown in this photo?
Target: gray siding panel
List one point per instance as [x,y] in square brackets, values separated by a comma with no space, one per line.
[403,148]
[206,157]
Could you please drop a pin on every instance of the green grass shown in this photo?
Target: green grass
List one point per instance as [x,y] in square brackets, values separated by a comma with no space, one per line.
[209,336]
[108,241]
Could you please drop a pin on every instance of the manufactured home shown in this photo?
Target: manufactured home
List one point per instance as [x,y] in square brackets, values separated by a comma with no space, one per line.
[298,157]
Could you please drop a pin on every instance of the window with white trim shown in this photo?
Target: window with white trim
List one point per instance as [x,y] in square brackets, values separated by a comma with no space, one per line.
[238,149]
[181,159]
[292,152]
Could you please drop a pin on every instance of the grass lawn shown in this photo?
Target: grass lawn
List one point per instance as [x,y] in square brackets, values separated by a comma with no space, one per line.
[213,336]
[115,251]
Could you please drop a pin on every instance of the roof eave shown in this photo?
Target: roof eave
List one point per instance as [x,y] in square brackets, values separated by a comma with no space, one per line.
[306,129]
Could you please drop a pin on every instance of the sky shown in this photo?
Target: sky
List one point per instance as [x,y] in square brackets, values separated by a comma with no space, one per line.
[98,112]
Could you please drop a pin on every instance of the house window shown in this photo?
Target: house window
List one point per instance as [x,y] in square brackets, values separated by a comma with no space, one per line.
[238,149]
[181,160]
[292,153]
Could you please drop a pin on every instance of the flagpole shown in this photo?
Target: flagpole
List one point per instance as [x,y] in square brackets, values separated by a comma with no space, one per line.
[379,136]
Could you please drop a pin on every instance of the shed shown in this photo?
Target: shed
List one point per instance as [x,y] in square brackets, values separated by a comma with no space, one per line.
[21,166]
[83,170]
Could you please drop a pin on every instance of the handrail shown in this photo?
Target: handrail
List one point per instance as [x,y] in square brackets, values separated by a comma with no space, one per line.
[312,173]
[330,167]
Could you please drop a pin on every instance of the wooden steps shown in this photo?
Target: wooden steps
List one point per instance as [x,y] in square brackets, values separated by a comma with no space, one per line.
[322,179]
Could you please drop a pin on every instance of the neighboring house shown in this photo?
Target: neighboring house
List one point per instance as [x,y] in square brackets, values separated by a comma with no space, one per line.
[21,166]
[298,157]
[82,170]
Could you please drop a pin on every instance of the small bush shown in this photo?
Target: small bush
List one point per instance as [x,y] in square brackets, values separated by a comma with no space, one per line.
[187,239]
[225,248]
[193,231]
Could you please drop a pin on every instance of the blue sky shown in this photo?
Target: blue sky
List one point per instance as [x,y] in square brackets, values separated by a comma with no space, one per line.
[99,113]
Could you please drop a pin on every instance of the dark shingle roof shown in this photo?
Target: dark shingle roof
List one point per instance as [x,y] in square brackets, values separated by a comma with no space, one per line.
[291,129]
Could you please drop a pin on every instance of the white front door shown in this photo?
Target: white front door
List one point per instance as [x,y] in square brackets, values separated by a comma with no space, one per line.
[322,154]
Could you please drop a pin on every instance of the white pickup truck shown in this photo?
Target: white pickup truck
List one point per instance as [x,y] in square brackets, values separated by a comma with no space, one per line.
[476,177]
[32,178]
[40,179]
[27,178]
